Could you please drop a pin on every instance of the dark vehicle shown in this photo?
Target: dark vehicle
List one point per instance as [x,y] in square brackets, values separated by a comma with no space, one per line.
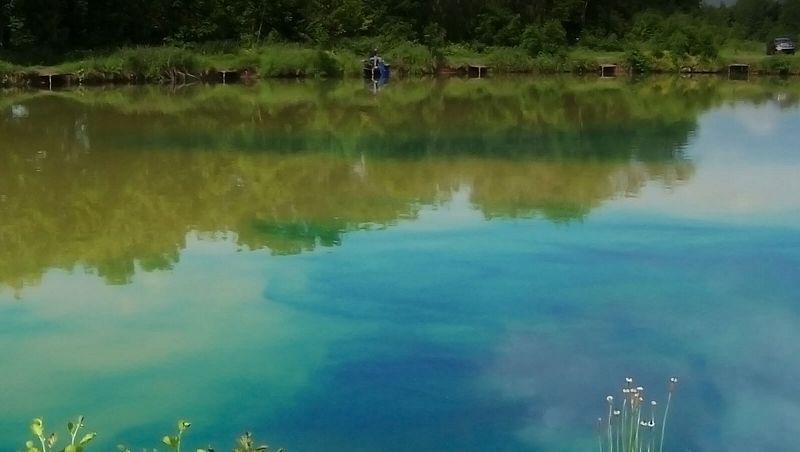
[780,45]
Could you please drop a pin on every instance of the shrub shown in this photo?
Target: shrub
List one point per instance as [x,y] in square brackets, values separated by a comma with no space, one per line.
[547,63]
[216,47]
[639,62]
[434,37]
[327,65]
[780,64]
[509,34]
[459,50]
[499,28]
[646,27]
[548,38]
[582,65]
[679,34]
[598,40]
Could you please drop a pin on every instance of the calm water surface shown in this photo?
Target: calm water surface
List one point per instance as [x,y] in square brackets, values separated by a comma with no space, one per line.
[438,266]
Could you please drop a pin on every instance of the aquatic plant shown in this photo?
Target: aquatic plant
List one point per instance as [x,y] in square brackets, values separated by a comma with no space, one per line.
[246,443]
[631,427]
[174,442]
[48,442]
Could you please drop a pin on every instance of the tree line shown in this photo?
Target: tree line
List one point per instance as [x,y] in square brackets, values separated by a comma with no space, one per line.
[58,27]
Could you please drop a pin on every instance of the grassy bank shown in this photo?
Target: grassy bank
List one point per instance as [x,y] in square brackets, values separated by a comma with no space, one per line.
[168,64]
[580,60]
[153,64]
[185,64]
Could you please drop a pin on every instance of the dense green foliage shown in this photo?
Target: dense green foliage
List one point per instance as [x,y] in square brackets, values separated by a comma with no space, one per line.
[47,31]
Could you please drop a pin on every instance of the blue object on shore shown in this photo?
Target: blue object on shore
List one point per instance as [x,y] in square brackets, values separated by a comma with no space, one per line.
[376,70]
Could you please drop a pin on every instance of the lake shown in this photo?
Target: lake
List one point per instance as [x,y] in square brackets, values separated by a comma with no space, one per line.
[431,266]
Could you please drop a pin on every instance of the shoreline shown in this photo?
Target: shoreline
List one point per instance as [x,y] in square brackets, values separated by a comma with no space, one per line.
[177,66]
[51,81]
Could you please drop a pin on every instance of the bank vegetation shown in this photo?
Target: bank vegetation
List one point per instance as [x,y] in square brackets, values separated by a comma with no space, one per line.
[182,40]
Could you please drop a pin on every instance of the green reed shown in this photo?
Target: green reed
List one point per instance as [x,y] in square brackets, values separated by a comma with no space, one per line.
[631,425]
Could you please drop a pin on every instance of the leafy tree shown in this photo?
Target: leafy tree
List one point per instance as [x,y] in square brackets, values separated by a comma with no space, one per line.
[755,18]
[789,18]
[681,34]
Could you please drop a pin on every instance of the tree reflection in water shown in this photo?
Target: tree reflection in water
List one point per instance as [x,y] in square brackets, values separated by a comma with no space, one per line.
[111,178]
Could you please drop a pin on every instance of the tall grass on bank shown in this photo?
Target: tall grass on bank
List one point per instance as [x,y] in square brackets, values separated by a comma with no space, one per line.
[633,425]
[289,60]
[8,68]
[10,74]
[781,65]
[143,64]
[509,59]
[408,58]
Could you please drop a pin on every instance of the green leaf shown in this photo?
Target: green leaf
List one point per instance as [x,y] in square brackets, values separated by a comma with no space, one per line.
[73,448]
[37,427]
[169,441]
[70,427]
[87,438]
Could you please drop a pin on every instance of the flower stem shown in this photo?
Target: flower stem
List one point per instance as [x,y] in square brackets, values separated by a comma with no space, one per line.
[664,423]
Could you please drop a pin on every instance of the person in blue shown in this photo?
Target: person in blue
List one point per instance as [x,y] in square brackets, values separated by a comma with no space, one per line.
[375,60]
[375,67]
